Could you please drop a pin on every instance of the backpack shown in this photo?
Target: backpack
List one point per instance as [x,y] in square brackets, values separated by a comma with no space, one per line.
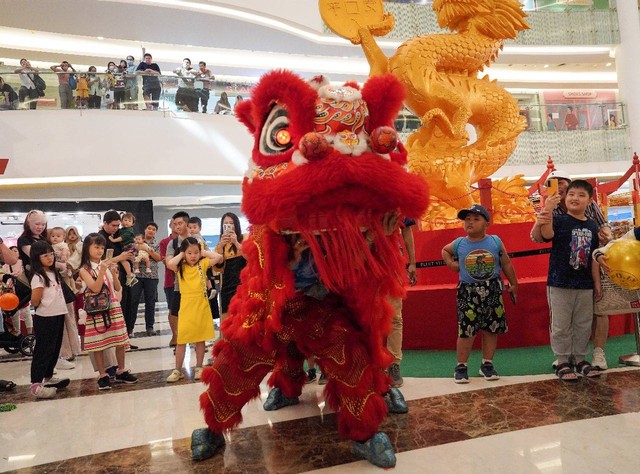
[72,82]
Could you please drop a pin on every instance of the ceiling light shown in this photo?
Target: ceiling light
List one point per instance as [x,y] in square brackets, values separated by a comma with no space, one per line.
[100,38]
[546,66]
[609,64]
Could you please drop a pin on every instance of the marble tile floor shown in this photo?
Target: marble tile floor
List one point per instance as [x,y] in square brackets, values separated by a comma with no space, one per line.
[516,425]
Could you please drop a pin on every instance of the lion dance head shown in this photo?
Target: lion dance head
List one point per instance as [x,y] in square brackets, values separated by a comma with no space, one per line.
[327,164]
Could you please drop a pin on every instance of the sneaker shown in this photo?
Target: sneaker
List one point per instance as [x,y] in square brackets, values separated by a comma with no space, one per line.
[104,383]
[322,380]
[197,373]
[131,280]
[126,377]
[148,270]
[311,376]
[175,376]
[394,373]
[57,383]
[488,372]
[64,364]
[42,392]
[151,332]
[460,375]
[111,372]
[599,360]
[137,271]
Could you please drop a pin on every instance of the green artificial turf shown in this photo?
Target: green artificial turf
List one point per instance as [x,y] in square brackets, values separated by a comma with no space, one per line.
[521,361]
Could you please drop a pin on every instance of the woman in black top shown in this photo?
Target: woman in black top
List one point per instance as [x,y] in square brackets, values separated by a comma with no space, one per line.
[230,247]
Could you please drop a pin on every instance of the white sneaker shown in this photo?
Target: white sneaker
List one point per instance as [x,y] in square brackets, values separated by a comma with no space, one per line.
[175,376]
[42,392]
[599,359]
[64,364]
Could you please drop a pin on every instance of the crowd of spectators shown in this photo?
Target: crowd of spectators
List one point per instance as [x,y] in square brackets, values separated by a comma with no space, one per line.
[117,87]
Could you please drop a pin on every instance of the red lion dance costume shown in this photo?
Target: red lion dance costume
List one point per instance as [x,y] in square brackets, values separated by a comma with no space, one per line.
[327,168]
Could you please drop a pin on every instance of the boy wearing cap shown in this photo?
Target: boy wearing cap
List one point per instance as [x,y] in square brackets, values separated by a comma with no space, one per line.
[572,279]
[479,258]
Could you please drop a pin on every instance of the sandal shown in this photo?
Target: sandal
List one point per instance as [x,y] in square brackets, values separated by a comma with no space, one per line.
[566,373]
[585,369]
[6,385]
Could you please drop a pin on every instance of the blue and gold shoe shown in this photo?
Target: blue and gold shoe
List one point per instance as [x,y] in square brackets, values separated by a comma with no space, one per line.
[377,450]
[275,400]
[205,444]
[395,401]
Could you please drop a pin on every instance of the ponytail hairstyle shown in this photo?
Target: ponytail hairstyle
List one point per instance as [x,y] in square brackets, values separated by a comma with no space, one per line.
[38,248]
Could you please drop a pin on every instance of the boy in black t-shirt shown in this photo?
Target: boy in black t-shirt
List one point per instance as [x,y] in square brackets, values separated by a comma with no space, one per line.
[571,282]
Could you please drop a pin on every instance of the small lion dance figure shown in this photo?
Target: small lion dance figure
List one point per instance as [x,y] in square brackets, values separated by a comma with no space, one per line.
[329,175]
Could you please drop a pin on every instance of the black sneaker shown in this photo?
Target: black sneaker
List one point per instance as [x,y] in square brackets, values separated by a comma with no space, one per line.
[111,372]
[126,377]
[104,383]
[57,383]
[488,372]
[311,376]
[460,375]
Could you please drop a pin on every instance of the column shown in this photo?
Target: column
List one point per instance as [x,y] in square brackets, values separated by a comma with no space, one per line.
[627,60]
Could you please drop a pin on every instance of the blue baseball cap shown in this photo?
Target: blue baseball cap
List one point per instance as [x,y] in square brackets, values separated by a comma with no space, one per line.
[475,209]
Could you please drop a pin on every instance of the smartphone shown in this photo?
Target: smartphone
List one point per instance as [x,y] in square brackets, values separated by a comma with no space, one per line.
[227,228]
[109,254]
[552,186]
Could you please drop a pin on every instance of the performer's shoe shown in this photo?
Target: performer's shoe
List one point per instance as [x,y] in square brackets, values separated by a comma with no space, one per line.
[377,450]
[275,400]
[395,401]
[205,444]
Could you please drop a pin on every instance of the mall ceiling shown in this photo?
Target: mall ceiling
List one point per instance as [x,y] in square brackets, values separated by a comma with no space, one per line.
[246,40]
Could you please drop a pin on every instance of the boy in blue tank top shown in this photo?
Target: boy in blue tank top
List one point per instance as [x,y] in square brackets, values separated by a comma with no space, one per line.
[479,258]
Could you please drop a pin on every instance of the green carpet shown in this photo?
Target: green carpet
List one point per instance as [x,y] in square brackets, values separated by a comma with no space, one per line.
[521,361]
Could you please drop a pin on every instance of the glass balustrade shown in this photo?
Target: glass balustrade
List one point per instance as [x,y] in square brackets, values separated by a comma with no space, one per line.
[111,91]
[552,22]
[552,117]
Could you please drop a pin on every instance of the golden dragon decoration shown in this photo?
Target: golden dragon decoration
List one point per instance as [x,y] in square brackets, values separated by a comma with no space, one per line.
[439,72]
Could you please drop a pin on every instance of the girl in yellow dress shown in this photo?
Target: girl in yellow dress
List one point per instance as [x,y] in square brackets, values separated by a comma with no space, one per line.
[195,323]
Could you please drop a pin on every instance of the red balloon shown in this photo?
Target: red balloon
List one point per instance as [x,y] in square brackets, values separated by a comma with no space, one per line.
[8,302]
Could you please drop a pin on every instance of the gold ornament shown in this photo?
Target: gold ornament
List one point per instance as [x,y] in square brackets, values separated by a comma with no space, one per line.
[623,260]
[346,17]
[439,72]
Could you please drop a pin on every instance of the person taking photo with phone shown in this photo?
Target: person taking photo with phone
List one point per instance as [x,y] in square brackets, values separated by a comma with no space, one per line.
[230,247]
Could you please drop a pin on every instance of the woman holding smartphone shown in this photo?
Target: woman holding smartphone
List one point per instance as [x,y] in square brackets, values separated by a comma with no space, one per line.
[230,247]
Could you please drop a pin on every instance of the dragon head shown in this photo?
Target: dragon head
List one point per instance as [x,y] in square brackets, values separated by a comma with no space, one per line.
[497,19]
[326,159]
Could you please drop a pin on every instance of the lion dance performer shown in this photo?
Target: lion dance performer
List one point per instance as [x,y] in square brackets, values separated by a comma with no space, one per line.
[327,171]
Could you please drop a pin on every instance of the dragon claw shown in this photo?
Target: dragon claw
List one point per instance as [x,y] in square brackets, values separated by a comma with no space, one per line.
[205,444]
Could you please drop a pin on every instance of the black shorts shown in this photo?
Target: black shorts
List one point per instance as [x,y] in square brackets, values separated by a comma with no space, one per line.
[175,306]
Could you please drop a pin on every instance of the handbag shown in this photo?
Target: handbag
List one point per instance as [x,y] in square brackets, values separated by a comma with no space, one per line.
[69,295]
[97,302]
[38,83]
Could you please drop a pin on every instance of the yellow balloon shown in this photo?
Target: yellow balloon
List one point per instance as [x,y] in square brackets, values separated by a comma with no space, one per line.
[623,259]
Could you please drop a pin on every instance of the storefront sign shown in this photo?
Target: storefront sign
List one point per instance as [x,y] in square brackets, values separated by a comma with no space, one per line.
[579,94]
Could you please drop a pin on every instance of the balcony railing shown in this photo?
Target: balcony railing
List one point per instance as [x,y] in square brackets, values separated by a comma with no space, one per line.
[553,117]
[567,27]
[107,96]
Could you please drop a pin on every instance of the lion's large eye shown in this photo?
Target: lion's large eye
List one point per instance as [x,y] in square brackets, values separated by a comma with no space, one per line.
[275,137]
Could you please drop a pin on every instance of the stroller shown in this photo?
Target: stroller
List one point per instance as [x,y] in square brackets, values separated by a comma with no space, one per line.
[8,340]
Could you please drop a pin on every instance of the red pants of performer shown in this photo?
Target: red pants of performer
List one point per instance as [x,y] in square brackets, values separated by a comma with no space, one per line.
[310,327]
